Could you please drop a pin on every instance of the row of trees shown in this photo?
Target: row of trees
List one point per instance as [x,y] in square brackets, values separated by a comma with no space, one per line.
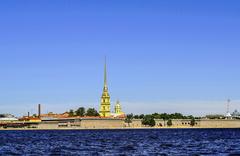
[165,116]
[81,111]
[149,120]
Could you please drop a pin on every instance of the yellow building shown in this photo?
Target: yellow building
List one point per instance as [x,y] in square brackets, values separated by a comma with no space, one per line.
[118,109]
[105,99]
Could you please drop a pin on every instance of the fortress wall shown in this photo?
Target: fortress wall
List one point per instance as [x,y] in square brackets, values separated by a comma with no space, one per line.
[203,123]
[207,123]
[48,125]
[223,123]
[136,123]
[160,123]
[185,123]
[83,124]
[102,123]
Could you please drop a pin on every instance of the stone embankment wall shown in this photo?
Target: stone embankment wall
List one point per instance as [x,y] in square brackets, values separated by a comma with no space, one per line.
[48,125]
[136,123]
[82,124]
[220,123]
[102,123]
[185,123]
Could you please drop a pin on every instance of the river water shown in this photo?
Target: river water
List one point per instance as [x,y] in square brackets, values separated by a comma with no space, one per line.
[121,142]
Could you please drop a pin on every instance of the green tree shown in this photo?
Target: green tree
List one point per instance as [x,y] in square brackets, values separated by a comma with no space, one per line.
[92,112]
[216,116]
[156,116]
[148,120]
[164,116]
[71,113]
[80,111]
[129,119]
[190,117]
[141,116]
[193,122]
[169,122]
[136,117]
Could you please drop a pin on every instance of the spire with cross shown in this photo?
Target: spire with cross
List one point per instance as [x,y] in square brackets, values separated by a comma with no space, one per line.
[105,99]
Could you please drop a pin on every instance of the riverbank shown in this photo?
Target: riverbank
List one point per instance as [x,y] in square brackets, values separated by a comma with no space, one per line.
[88,124]
[139,128]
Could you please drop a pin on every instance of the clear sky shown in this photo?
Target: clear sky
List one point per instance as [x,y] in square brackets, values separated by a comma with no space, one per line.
[163,56]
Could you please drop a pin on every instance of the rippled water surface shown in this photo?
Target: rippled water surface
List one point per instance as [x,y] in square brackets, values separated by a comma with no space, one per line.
[122,142]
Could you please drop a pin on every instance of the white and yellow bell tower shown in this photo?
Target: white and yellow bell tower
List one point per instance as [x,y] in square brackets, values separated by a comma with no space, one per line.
[118,108]
[105,99]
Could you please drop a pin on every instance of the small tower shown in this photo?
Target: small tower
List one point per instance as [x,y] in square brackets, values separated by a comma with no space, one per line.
[105,99]
[118,109]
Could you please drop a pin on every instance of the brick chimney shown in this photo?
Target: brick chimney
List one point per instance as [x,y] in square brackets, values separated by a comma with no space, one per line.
[39,110]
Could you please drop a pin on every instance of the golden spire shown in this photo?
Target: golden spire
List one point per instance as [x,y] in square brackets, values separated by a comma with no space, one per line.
[105,75]
[105,99]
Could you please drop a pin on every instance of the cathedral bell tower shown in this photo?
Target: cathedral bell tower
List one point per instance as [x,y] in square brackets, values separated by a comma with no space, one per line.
[105,99]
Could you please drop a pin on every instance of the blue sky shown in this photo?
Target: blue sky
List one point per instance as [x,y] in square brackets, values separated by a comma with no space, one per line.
[163,56]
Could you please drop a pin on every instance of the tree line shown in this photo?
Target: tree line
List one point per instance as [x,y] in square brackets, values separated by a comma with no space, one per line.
[149,119]
[81,111]
[164,116]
